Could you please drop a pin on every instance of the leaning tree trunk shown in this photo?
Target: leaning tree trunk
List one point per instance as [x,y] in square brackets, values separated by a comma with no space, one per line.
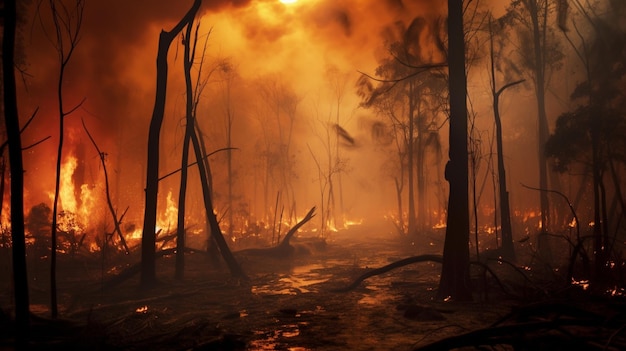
[11,119]
[148,238]
[189,128]
[214,225]
[454,282]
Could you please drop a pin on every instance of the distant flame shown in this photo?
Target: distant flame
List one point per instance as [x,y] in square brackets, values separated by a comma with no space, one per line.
[572,224]
[66,185]
[169,218]
[350,223]
[440,225]
[582,283]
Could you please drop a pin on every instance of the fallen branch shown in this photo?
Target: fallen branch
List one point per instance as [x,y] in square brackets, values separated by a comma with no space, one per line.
[284,249]
[411,260]
[389,267]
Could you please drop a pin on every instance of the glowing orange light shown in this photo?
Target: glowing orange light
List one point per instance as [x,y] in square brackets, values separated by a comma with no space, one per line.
[66,186]
[288,1]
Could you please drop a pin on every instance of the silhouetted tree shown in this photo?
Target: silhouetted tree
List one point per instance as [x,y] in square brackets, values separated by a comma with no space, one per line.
[67,25]
[455,280]
[540,54]
[148,238]
[505,211]
[592,134]
[11,119]
[192,134]
[188,56]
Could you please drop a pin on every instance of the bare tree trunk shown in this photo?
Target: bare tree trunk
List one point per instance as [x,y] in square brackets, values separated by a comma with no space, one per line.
[189,129]
[505,211]
[67,23]
[216,232]
[116,221]
[599,249]
[455,280]
[399,187]
[11,119]
[421,176]
[411,231]
[540,81]
[148,238]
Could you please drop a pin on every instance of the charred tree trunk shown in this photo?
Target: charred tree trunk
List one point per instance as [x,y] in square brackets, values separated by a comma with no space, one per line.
[455,280]
[420,169]
[412,225]
[211,244]
[505,211]
[189,129]
[148,238]
[599,247]
[214,225]
[67,25]
[539,32]
[11,119]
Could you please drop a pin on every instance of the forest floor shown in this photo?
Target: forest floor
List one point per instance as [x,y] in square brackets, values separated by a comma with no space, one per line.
[286,305]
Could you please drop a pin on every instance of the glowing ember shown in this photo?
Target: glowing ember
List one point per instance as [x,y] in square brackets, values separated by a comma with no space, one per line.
[142,309]
[582,283]
[440,225]
[349,223]
[572,224]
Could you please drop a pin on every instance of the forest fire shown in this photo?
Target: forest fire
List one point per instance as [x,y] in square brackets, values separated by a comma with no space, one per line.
[312,174]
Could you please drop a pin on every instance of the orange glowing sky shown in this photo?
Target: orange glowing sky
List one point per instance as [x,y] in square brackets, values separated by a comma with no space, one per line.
[307,46]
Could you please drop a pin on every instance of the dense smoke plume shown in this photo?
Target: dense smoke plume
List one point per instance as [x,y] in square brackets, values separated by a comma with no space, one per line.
[290,72]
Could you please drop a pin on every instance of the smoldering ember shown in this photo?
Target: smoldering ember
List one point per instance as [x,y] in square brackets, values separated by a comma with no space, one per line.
[313,175]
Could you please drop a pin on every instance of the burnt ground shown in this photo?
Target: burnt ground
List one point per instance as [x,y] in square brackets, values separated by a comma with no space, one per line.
[286,305]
